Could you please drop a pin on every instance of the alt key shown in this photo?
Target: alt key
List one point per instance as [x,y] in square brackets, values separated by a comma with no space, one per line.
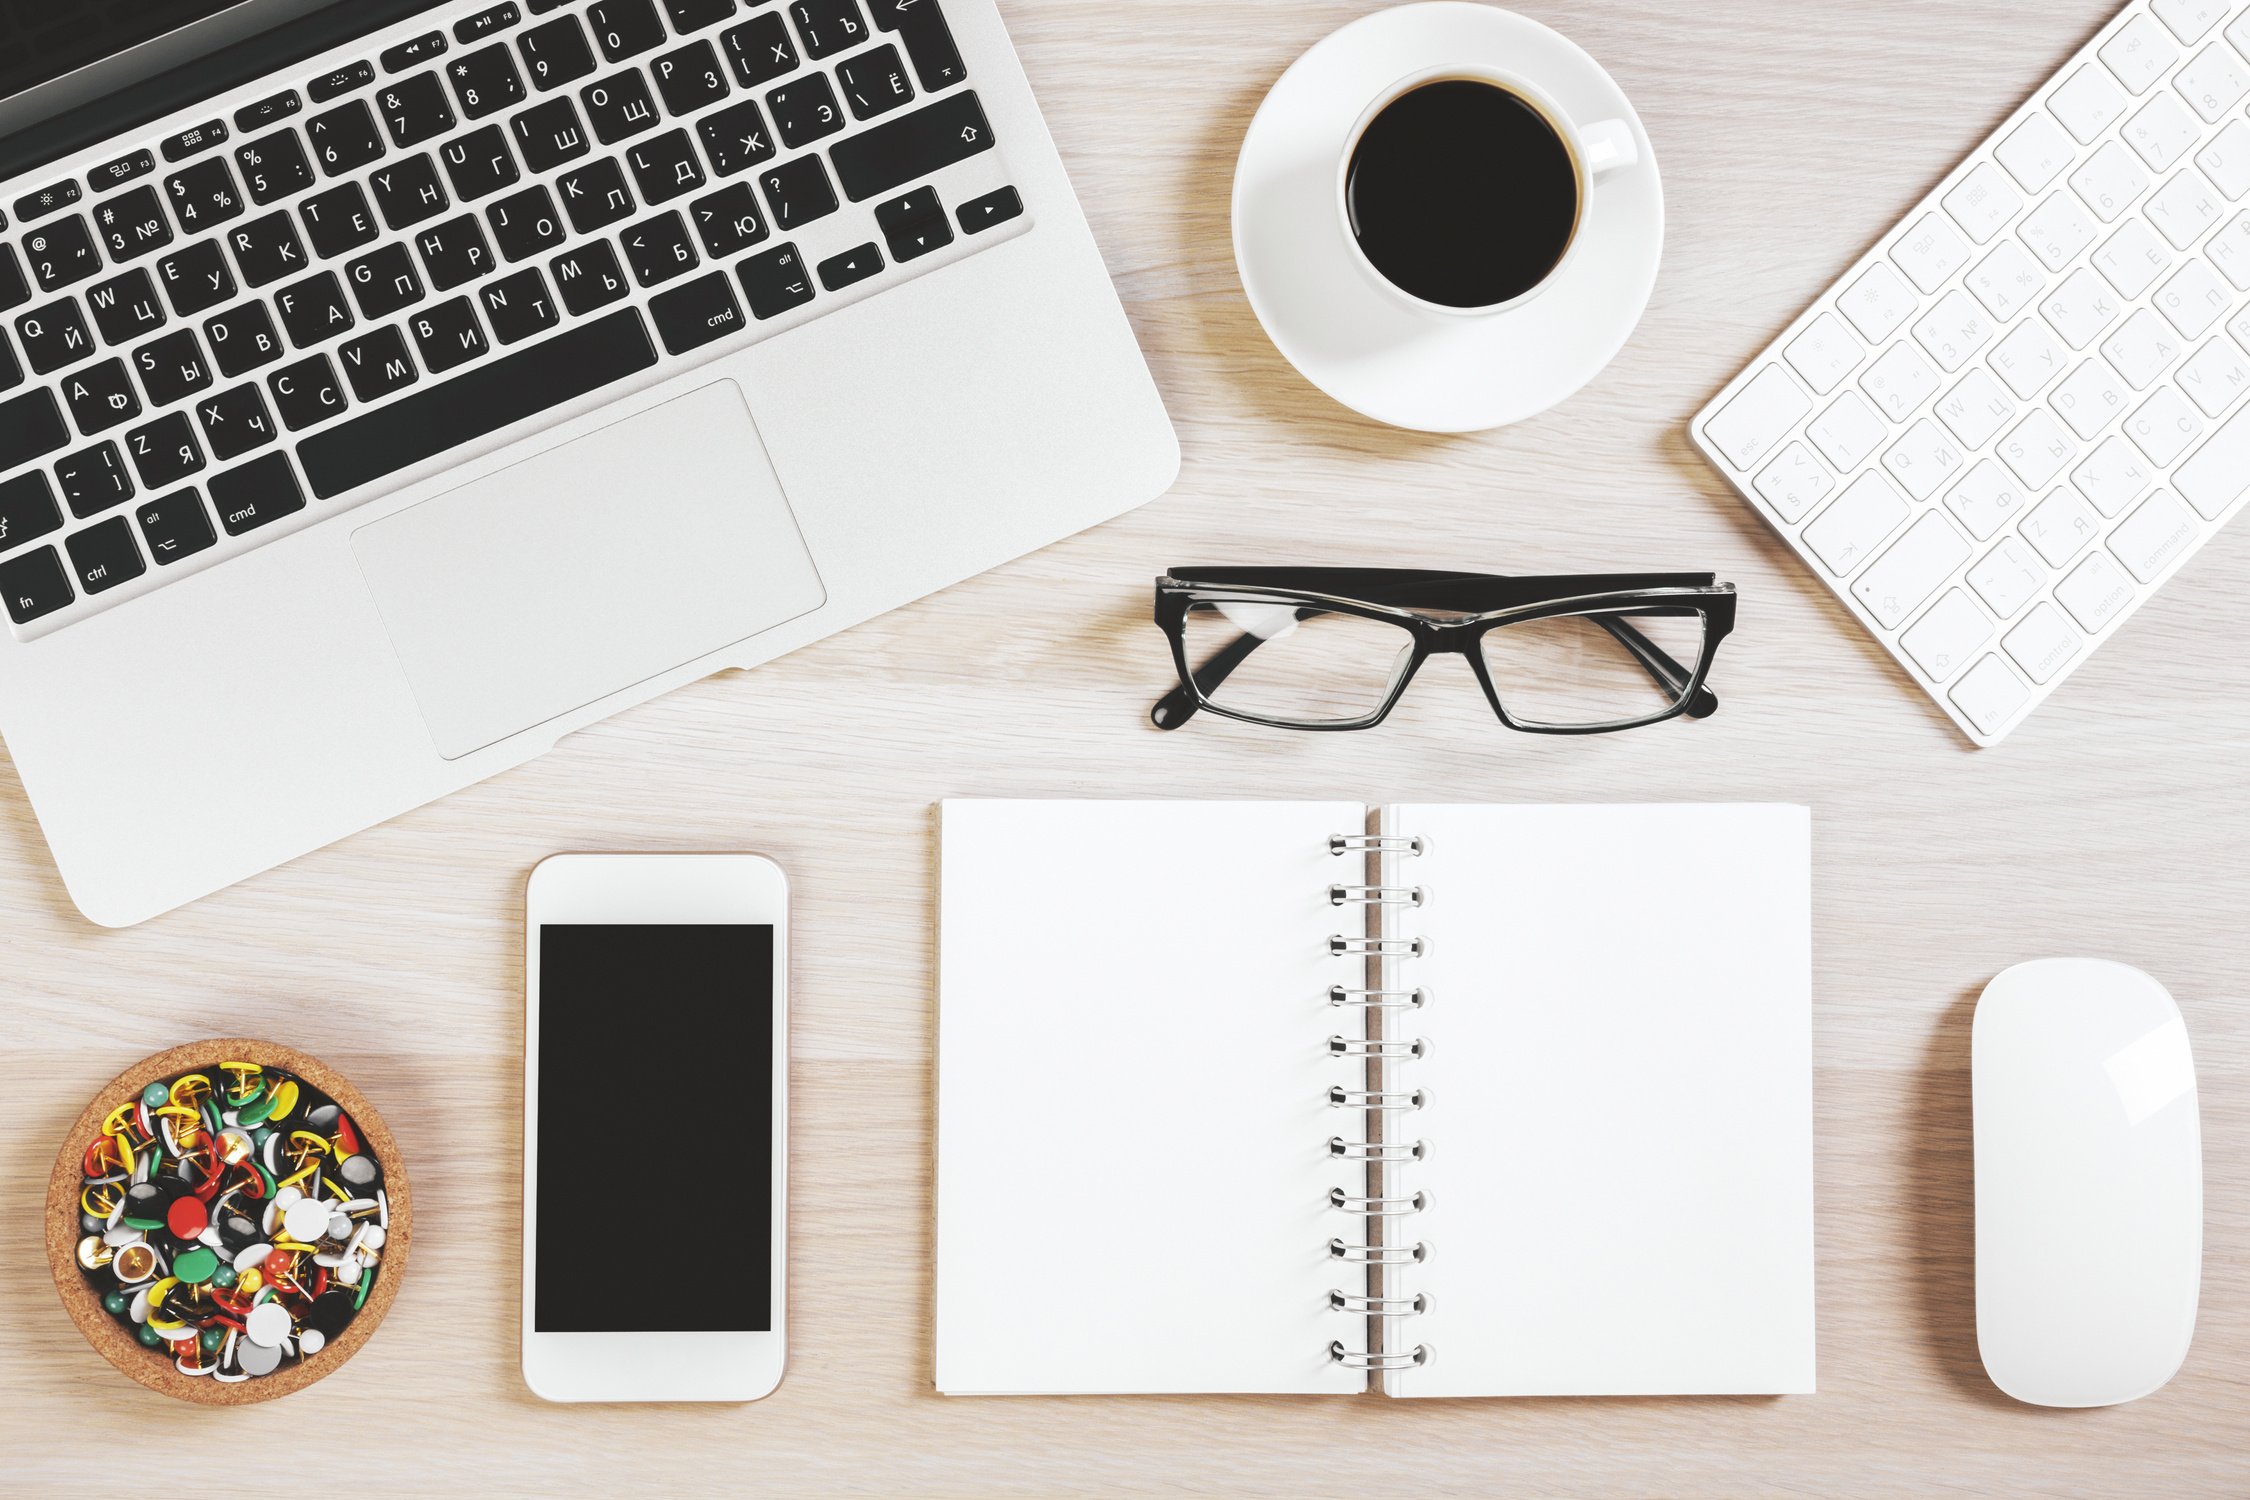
[176,526]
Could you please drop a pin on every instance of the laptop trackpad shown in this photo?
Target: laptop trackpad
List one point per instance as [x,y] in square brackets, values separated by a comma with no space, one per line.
[588,568]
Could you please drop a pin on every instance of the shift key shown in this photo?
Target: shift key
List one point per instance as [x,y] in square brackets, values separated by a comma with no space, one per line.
[911,147]
[1923,559]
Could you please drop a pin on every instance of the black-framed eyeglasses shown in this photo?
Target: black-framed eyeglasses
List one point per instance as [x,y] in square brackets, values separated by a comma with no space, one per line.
[1334,648]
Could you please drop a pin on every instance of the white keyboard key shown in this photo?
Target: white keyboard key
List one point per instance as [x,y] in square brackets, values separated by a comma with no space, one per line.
[2091,399]
[2185,208]
[2007,281]
[2142,349]
[2037,449]
[1858,522]
[2148,540]
[2113,476]
[2028,358]
[1991,695]
[2240,328]
[1930,253]
[2164,427]
[2239,33]
[2086,103]
[2229,250]
[2216,378]
[1953,330]
[2111,181]
[2163,132]
[1983,202]
[2060,527]
[2058,229]
[1923,459]
[2226,161]
[1795,482]
[1824,354]
[1759,416]
[1848,432]
[2194,300]
[2132,259]
[2140,54]
[1900,382]
[2216,477]
[1986,499]
[2008,577]
[2189,19]
[2081,308]
[2036,153]
[2095,593]
[1915,568]
[1975,409]
[1877,303]
[2214,82]
[1944,638]
[2043,644]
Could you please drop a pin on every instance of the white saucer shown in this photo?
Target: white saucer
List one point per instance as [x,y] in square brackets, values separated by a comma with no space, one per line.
[1374,353]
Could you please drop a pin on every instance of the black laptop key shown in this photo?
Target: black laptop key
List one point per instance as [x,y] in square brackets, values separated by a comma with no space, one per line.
[485,22]
[929,40]
[94,479]
[735,138]
[874,82]
[415,109]
[34,585]
[455,252]
[774,281]
[408,192]
[448,334]
[338,220]
[477,402]
[486,80]
[624,27]
[314,310]
[133,225]
[53,198]
[619,106]
[268,111]
[31,426]
[590,277]
[200,139]
[258,494]
[525,224]
[54,336]
[798,192]
[659,249]
[196,277]
[694,15]
[307,393]
[172,368]
[550,134]
[105,556]
[557,53]
[518,306]
[479,164]
[851,267]
[164,452]
[909,147]
[175,526]
[690,78]
[728,221]
[101,396]
[828,26]
[345,138]
[28,510]
[204,195]
[378,364]
[14,290]
[125,307]
[665,167]
[596,195]
[236,422]
[11,368]
[411,54]
[62,253]
[274,166]
[915,225]
[125,169]
[341,81]
[759,50]
[805,110]
[696,313]
[267,249]
[243,338]
[996,207]
[385,282]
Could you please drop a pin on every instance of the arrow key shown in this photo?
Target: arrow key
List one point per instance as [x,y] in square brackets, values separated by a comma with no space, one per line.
[914,225]
[996,207]
[853,266]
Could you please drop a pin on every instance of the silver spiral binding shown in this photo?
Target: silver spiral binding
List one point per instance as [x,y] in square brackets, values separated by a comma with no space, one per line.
[1376,1203]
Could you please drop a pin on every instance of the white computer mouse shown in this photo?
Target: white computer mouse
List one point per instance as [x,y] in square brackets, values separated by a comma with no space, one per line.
[2089,1172]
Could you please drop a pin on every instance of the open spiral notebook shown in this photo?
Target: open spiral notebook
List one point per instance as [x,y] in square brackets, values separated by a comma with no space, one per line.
[1310,1097]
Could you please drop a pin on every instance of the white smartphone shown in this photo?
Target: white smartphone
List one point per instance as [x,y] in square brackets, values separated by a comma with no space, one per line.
[655,1127]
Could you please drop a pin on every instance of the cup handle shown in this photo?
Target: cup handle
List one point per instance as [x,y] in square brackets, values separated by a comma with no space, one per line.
[1609,147]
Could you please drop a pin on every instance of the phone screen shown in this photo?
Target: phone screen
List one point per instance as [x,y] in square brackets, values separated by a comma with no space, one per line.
[655,1121]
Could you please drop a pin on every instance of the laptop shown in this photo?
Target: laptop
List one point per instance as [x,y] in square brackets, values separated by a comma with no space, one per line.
[389,388]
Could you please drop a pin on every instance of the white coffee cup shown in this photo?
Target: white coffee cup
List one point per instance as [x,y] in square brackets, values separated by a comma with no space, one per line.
[1596,151]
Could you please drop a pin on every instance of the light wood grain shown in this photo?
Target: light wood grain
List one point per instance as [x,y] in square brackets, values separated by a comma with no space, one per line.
[2114,824]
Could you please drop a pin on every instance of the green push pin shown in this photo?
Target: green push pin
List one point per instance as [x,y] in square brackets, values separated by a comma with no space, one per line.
[210,1340]
[154,1095]
[115,1304]
[224,1278]
[148,1336]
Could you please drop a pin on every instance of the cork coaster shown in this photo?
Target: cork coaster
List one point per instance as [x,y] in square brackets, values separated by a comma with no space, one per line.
[113,1340]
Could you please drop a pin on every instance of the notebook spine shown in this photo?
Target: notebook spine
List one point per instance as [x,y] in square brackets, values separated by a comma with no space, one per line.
[1383,1103]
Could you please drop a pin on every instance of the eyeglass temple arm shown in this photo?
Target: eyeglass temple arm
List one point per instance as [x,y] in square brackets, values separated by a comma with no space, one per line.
[1659,664]
[1178,706]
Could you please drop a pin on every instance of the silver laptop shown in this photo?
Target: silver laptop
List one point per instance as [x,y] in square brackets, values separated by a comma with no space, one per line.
[388,388]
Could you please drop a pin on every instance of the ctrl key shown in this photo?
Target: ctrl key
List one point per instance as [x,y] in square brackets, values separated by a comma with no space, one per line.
[105,556]
[258,494]
[34,585]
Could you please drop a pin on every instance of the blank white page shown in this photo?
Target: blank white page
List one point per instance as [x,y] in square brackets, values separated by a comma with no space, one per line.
[1132,1122]
[1619,1100]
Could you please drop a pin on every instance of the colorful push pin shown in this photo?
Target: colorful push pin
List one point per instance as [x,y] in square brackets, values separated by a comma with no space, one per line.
[197,1266]
[187,1217]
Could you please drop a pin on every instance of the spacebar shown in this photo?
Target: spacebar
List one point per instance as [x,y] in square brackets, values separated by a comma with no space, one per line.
[464,407]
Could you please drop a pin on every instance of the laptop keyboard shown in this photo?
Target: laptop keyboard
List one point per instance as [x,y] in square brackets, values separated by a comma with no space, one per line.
[213,337]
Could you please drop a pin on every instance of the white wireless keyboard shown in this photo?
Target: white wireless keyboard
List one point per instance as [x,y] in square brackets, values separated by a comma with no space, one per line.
[2019,414]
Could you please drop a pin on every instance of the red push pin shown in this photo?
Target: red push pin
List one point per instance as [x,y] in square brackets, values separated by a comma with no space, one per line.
[187,1217]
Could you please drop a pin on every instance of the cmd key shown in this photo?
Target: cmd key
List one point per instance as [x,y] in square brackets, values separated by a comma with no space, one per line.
[908,147]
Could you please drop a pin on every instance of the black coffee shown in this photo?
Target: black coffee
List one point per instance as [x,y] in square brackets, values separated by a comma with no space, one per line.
[1462,194]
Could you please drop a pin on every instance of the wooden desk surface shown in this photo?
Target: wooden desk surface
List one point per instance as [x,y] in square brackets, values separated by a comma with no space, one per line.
[2114,824]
